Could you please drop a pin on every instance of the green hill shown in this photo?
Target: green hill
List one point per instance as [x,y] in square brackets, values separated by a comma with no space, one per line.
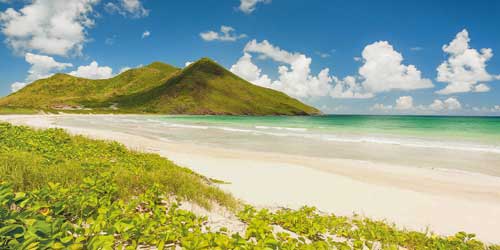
[204,87]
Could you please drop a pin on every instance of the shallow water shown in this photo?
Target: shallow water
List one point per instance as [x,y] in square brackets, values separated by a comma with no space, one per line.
[454,143]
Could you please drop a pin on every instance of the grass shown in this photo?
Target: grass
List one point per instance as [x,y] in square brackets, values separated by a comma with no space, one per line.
[203,87]
[29,159]
[68,192]
[22,111]
[67,90]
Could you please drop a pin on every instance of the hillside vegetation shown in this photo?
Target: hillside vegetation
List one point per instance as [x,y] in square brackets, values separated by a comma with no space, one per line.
[204,87]
[68,192]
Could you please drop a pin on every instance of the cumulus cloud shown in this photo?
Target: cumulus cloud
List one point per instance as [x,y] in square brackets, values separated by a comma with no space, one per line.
[247,70]
[53,27]
[123,69]
[294,72]
[128,8]
[452,104]
[448,104]
[494,109]
[17,86]
[41,67]
[349,88]
[481,88]
[379,107]
[93,71]
[406,104]
[383,70]
[146,34]
[187,63]
[226,34]
[248,6]
[465,68]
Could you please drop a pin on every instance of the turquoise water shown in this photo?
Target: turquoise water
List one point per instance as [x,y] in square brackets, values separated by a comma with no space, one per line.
[476,130]
[469,144]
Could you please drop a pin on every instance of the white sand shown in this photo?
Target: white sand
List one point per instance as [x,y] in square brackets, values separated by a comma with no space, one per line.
[444,201]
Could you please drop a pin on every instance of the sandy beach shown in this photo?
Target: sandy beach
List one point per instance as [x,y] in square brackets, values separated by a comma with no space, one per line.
[415,198]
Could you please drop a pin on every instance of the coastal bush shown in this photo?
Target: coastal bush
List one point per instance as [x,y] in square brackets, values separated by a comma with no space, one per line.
[68,192]
[356,232]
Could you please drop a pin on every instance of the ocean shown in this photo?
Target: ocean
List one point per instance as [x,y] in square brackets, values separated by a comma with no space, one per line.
[439,142]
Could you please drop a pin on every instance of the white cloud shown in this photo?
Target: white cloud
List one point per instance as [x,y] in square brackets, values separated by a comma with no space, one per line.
[146,34]
[493,109]
[226,34]
[54,27]
[123,69]
[110,41]
[41,67]
[294,74]
[187,63]
[250,72]
[322,54]
[404,103]
[93,71]
[381,107]
[465,69]
[128,8]
[248,6]
[481,88]
[17,86]
[449,104]
[452,104]
[357,59]
[437,105]
[349,88]
[383,70]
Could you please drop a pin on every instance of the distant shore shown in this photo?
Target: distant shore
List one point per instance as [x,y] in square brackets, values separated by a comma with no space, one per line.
[444,201]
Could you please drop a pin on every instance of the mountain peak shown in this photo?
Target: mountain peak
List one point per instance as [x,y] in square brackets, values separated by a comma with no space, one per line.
[208,66]
[160,66]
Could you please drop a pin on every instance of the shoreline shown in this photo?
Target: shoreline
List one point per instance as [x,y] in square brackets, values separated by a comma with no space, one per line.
[414,198]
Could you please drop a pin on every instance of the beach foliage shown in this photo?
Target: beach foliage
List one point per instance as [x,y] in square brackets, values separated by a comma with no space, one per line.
[68,192]
[29,159]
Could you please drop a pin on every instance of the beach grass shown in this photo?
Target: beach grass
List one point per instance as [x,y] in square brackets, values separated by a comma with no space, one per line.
[29,159]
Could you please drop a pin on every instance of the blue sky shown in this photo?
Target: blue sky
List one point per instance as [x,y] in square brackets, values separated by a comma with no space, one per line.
[382,56]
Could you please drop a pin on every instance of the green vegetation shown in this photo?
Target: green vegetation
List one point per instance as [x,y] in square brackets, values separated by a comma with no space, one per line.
[67,192]
[17,111]
[29,159]
[204,87]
